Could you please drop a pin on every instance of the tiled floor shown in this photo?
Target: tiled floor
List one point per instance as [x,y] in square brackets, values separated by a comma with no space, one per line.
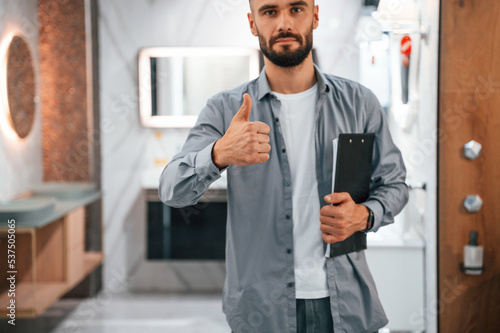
[151,313]
[129,313]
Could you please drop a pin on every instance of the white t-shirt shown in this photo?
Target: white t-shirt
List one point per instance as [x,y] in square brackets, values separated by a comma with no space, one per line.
[297,119]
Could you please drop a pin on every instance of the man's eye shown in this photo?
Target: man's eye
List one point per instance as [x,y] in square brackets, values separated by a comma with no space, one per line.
[296,10]
[270,12]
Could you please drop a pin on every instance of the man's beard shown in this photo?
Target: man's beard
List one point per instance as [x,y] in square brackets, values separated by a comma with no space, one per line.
[286,58]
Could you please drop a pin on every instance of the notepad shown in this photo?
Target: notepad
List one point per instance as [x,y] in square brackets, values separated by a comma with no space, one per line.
[351,172]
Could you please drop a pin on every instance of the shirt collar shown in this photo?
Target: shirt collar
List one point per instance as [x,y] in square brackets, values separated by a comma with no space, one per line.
[264,89]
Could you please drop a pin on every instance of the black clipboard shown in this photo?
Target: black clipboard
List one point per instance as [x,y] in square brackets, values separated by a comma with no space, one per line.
[354,165]
[352,173]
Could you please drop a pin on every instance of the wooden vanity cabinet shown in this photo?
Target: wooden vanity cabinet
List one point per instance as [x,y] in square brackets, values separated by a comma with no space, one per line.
[50,260]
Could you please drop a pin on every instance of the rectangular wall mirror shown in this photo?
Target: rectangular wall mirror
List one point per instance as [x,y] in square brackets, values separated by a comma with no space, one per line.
[176,82]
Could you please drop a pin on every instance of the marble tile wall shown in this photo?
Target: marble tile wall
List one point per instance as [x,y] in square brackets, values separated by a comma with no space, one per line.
[427,138]
[418,139]
[415,132]
[20,159]
[126,26]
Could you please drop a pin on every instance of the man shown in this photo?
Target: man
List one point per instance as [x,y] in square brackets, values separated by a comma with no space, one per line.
[273,136]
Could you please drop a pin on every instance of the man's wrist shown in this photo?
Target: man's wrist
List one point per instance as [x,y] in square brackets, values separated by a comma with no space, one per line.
[370,220]
[362,214]
[216,157]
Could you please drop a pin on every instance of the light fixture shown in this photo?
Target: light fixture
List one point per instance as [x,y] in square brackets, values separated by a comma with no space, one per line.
[400,17]
[4,106]
[17,86]
[401,12]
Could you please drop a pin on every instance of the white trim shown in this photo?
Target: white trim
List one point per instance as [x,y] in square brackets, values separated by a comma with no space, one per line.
[144,70]
[90,87]
[6,125]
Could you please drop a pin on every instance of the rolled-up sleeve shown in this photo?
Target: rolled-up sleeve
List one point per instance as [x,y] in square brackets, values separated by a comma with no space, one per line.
[190,172]
[388,190]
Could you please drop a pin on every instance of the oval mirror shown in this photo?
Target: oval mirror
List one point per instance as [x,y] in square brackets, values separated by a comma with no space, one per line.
[20,87]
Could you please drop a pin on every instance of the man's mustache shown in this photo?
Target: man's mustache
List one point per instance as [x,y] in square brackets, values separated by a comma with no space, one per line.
[285,35]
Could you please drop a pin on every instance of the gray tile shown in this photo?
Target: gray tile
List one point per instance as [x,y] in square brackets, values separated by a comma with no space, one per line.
[128,312]
[132,312]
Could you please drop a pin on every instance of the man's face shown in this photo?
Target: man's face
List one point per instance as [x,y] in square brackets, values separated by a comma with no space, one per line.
[284,28]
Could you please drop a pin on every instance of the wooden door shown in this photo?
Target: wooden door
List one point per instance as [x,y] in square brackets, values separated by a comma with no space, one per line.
[469,109]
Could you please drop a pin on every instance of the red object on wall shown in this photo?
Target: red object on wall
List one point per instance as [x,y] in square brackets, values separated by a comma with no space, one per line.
[406,45]
[406,49]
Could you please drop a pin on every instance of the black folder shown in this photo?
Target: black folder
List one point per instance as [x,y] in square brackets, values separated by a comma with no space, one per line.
[353,167]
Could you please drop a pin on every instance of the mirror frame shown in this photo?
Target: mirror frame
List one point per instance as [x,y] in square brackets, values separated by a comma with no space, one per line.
[6,122]
[144,70]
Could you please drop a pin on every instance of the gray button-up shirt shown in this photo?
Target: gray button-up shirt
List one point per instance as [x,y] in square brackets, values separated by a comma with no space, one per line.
[259,294]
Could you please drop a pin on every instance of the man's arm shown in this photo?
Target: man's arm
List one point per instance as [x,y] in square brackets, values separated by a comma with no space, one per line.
[342,218]
[187,176]
[245,142]
[209,150]
[388,190]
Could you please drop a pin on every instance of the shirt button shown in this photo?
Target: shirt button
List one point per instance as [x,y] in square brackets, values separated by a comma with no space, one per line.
[209,177]
[277,120]
[288,251]
[290,285]
[286,184]
[283,150]
[287,217]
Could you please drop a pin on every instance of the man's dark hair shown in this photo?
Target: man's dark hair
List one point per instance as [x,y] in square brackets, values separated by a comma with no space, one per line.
[250,3]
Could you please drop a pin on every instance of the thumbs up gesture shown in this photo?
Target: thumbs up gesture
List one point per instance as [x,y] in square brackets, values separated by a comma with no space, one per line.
[245,142]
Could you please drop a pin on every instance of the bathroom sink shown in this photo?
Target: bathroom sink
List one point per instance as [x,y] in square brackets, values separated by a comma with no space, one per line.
[64,191]
[30,209]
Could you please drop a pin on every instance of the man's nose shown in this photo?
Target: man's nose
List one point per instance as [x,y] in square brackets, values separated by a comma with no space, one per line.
[285,22]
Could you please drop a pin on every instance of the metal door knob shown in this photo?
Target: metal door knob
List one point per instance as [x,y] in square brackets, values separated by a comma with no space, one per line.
[472,149]
[473,203]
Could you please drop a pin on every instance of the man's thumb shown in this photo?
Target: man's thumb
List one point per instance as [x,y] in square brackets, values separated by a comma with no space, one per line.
[246,107]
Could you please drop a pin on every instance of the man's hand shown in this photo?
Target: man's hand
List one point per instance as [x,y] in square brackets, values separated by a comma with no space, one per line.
[342,220]
[245,142]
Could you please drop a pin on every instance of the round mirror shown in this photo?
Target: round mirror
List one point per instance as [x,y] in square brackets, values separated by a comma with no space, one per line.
[20,87]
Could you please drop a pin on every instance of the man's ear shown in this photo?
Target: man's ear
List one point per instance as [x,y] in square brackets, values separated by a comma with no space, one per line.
[251,21]
[316,17]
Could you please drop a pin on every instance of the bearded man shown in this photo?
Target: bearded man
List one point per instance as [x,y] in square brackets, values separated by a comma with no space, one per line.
[273,137]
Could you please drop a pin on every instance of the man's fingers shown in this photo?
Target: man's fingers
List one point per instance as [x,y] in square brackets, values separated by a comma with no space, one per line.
[329,238]
[328,220]
[333,211]
[244,112]
[263,138]
[262,128]
[327,229]
[337,198]
[264,148]
[250,137]
[262,157]
[334,228]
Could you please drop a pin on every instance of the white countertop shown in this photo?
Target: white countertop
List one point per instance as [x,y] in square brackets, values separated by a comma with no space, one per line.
[62,207]
[386,238]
